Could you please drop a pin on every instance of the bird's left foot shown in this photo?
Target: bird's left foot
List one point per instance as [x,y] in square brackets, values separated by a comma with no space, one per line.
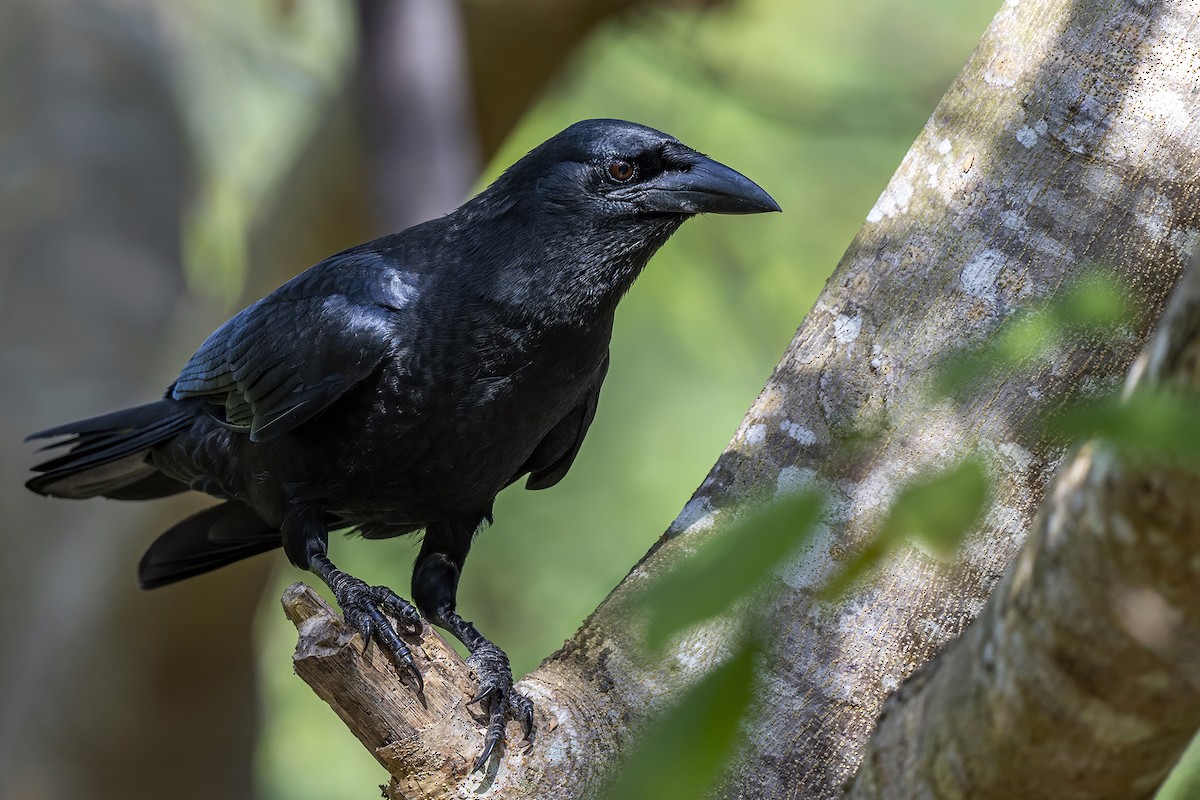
[497,698]
[363,608]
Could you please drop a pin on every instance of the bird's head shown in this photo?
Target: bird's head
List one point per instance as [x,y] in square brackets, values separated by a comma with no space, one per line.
[622,171]
[584,211]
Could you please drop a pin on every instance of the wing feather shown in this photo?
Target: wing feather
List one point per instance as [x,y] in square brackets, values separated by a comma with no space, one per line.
[555,454]
[295,352]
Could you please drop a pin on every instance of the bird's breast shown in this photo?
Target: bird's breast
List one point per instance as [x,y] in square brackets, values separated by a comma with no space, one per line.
[428,446]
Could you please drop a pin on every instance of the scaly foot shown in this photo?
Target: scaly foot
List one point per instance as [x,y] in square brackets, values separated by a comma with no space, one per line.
[499,701]
[363,608]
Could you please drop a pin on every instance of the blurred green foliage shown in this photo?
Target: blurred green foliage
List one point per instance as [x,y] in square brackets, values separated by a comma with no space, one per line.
[1156,424]
[936,511]
[249,103]
[681,754]
[1097,304]
[712,580]
[684,751]
[1184,782]
[939,510]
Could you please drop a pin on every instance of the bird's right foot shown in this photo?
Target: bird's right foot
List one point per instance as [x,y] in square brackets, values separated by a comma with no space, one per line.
[498,699]
[364,607]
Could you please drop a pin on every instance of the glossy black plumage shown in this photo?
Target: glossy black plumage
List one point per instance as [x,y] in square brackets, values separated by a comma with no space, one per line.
[399,385]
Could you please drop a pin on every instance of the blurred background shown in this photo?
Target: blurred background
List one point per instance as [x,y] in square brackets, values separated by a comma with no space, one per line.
[164,163]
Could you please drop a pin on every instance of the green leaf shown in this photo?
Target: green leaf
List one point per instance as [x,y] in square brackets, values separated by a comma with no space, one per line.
[730,565]
[1018,341]
[1153,424]
[941,509]
[1095,303]
[682,754]
[937,510]
[862,562]
[1024,339]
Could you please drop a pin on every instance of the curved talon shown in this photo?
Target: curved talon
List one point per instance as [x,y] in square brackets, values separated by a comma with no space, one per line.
[488,746]
[367,629]
[390,641]
[523,709]
[500,702]
[495,730]
[418,685]
[484,693]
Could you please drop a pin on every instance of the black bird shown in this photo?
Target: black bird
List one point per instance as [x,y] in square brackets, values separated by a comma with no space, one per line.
[399,385]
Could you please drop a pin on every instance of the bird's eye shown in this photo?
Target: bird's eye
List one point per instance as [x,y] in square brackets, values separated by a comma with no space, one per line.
[621,170]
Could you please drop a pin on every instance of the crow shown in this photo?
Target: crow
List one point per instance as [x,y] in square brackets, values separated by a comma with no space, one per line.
[400,385]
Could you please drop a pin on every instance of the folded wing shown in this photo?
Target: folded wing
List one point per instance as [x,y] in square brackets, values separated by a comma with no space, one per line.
[292,354]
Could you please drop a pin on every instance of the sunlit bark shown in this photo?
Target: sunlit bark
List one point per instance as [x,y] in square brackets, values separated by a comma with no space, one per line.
[1079,679]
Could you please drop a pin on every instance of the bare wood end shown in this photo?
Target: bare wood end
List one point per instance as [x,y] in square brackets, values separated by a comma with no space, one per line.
[427,741]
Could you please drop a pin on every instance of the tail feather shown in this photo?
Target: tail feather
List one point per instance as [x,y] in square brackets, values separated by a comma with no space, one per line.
[124,419]
[203,542]
[107,454]
[92,449]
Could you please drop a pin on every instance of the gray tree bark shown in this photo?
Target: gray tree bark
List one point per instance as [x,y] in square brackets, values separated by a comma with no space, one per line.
[1079,679]
[1066,141]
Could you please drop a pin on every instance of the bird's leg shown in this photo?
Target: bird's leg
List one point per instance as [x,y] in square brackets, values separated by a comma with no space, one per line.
[435,589]
[305,540]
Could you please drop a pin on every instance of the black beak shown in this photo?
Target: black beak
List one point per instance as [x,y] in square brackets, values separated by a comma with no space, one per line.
[707,187]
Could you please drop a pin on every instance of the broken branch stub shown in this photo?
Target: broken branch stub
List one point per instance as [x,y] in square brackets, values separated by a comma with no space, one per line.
[427,741]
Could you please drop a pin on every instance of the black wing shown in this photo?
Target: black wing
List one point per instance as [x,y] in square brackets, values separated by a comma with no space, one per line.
[300,348]
[553,456]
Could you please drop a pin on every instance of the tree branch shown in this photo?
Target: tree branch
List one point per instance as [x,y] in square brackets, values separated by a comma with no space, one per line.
[425,741]
[1079,679]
